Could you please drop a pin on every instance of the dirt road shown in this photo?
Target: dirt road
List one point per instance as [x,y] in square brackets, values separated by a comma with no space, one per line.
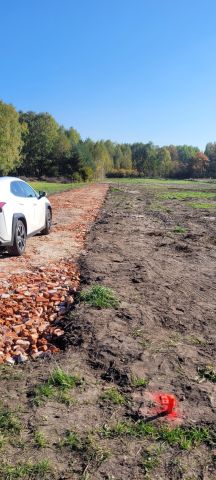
[73,213]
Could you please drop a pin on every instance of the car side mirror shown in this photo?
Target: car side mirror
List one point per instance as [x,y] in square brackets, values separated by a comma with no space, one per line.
[42,194]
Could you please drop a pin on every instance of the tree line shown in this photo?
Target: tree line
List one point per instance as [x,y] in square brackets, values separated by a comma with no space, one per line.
[35,145]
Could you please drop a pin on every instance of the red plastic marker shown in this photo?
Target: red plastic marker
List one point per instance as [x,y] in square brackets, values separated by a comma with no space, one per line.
[166,405]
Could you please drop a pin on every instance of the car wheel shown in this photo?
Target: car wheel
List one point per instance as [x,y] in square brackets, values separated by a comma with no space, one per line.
[47,228]
[19,243]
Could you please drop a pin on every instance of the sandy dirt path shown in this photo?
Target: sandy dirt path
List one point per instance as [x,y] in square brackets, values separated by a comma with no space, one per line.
[73,213]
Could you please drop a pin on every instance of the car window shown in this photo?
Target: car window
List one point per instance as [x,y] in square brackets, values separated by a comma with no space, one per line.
[16,189]
[28,191]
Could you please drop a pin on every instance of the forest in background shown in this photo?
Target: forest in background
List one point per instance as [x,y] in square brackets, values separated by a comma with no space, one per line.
[35,145]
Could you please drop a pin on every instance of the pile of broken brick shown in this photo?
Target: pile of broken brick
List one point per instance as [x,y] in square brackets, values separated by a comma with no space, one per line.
[30,306]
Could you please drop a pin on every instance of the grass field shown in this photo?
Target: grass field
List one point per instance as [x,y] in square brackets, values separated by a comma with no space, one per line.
[50,188]
[187,194]
[159,181]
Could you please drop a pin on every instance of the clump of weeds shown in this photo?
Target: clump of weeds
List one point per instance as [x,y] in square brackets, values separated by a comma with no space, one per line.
[149,459]
[36,471]
[159,207]
[2,441]
[207,372]
[140,335]
[71,440]
[113,396]
[40,439]
[179,229]
[138,382]
[183,437]
[87,447]
[57,387]
[185,195]
[114,189]
[100,297]
[9,422]
[202,206]
[59,378]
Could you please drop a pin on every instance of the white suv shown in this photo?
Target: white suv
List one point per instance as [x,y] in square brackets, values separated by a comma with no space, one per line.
[23,213]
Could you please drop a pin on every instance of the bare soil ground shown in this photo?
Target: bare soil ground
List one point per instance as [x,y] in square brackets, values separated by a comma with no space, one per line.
[161,337]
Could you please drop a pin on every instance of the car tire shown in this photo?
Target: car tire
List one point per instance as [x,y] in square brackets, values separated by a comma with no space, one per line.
[19,242]
[48,224]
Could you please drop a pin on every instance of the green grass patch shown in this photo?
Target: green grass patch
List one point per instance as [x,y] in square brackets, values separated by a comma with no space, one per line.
[160,181]
[100,297]
[71,440]
[112,395]
[50,188]
[207,372]
[165,209]
[65,397]
[9,422]
[114,189]
[44,390]
[183,437]
[56,387]
[149,459]
[63,380]
[2,441]
[28,471]
[159,207]
[139,382]
[40,439]
[184,195]
[179,229]
[87,447]
[202,206]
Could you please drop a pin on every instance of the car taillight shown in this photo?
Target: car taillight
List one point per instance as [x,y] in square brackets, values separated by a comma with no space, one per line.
[1,206]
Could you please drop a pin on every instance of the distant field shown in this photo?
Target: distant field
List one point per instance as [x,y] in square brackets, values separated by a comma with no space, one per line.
[54,187]
[159,181]
[50,188]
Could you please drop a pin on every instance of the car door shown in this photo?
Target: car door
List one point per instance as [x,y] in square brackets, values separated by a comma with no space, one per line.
[33,206]
[38,207]
[21,204]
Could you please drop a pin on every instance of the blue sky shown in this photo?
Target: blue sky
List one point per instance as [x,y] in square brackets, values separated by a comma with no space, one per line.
[126,70]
